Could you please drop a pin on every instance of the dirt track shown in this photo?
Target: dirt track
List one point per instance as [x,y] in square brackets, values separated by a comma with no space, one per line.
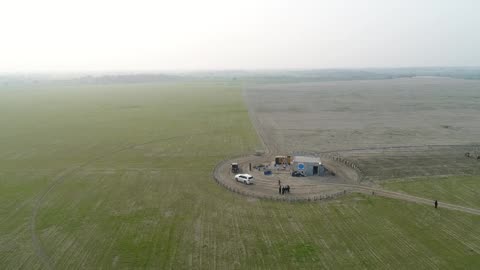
[308,188]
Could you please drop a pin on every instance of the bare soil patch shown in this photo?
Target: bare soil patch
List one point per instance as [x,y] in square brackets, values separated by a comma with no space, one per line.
[267,186]
[389,128]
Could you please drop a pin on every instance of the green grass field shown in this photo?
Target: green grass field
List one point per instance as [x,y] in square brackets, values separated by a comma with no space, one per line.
[120,177]
[461,190]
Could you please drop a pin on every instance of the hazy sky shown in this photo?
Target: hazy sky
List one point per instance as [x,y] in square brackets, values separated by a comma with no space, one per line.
[102,35]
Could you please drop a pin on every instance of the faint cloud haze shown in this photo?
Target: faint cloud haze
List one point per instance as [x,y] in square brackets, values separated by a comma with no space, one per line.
[54,35]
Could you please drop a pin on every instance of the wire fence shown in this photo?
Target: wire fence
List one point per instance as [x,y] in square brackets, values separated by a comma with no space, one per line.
[286,197]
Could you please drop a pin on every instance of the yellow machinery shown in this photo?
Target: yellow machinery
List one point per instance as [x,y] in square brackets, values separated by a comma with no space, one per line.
[283,160]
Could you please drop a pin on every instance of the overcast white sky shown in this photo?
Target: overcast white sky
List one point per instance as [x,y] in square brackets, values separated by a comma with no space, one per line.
[116,35]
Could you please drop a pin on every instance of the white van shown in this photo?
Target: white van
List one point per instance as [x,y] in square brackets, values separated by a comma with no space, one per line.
[244,178]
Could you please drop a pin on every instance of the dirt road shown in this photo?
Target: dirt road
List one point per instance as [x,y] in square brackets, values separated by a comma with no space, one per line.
[405,197]
[308,188]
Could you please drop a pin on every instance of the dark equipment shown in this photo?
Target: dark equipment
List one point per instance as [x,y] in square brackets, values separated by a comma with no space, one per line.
[298,174]
[259,167]
[235,168]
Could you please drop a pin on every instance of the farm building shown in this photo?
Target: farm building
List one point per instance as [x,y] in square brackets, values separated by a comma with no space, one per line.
[308,165]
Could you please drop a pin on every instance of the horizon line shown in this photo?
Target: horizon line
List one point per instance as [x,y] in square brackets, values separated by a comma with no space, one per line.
[201,70]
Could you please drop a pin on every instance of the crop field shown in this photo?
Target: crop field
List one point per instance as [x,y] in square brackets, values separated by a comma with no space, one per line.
[382,164]
[120,176]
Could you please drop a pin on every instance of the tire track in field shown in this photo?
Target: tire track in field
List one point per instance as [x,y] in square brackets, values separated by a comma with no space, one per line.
[256,123]
[406,197]
[60,178]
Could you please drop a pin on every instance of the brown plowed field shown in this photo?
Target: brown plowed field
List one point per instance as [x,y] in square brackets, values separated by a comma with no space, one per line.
[390,128]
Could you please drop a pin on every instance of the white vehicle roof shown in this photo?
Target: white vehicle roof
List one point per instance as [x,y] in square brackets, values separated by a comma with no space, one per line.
[244,174]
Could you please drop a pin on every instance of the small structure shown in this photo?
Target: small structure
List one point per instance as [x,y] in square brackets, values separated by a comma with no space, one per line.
[308,165]
[283,160]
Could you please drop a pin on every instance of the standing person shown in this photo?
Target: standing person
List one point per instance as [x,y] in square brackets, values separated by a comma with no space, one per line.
[436,204]
[288,189]
[279,189]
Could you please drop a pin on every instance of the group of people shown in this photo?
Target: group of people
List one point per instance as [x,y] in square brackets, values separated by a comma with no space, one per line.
[283,189]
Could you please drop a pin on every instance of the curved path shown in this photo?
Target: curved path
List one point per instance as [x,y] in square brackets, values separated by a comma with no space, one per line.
[266,186]
[308,188]
[406,197]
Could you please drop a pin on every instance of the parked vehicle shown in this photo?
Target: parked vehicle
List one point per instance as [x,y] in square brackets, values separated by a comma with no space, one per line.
[298,174]
[244,178]
[235,168]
